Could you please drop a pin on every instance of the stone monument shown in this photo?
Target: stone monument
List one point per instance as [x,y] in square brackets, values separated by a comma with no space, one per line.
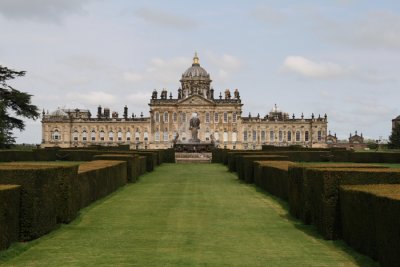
[194,126]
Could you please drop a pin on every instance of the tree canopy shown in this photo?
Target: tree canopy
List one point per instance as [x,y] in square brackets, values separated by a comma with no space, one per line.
[13,104]
[394,138]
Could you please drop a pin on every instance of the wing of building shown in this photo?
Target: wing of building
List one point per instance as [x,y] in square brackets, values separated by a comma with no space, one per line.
[221,121]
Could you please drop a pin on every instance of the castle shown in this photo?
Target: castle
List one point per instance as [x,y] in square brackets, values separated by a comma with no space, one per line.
[221,121]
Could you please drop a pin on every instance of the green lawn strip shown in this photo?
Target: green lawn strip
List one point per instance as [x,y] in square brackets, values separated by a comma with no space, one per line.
[184,215]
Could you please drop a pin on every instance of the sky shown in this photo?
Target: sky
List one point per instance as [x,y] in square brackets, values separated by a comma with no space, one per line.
[339,57]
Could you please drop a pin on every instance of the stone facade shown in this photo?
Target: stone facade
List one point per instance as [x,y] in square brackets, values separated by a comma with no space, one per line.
[221,121]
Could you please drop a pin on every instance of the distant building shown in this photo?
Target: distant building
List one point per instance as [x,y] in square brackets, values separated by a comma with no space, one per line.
[221,119]
[395,121]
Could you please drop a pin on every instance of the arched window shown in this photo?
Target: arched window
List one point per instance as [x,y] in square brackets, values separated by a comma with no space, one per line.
[306,136]
[56,136]
[225,137]
[84,135]
[157,117]
[175,116]
[289,136]
[110,136]
[207,117]
[157,136]
[102,135]
[137,136]
[280,133]
[146,136]
[165,136]
[254,135]
[298,136]
[234,137]
[225,117]
[234,116]
[244,136]
[166,116]
[75,135]
[216,117]
[128,136]
[93,135]
[119,135]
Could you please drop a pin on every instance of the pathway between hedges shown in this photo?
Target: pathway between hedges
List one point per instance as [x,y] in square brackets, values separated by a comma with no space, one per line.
[184,215]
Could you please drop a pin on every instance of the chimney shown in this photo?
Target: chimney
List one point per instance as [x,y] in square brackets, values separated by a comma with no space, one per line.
[99,112]
[125,112]
[107,113]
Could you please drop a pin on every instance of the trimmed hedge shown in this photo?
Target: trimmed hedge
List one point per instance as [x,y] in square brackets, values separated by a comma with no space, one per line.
[9,214]
[97,179]
[16,155]
[370,216]
[272,176]
[323,193]
[132,162]
[299,204]
[46,196]
[245,168]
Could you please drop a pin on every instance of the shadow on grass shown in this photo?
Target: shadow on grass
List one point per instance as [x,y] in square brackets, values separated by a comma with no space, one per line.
[310,230]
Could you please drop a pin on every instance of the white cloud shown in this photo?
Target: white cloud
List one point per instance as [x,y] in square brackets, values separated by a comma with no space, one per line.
[226,64]
[269,15]
[165,19]
[319,70]
[44,10]
[93,98]
[132,76]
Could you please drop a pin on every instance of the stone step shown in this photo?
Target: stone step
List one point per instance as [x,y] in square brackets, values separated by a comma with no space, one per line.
[192,160]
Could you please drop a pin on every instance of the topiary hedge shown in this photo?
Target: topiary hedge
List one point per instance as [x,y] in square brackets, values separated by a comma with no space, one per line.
[323,193]
[46,196]
[245,169]
[132,162]
[9,214]
[299,203]
[370,217]
[272,176]
[16,155]
[97,179]
[142,164]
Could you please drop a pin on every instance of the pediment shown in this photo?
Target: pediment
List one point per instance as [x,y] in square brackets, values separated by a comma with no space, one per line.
[196,100]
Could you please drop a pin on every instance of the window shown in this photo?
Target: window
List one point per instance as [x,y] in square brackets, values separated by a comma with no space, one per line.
[157,117]
[271,136]
[128,136]
[216,117]
[119,136]
[234,136]
[165,138]
[225,136]
[102,135]
[93,135]
[207,117]
[207,135]
[183,117]
[263,136]
[56,136]
[166,116]
[306,136]
[289,136]
[84,135]
[245,136]
[137,136]
[319,135]
[254,135]
[146,136]
[234,117]
[216,135]
[110,136]
[280,136]
[225,117]
[175,117]
[297,136]
[75,135]
[183,136]
[157,136]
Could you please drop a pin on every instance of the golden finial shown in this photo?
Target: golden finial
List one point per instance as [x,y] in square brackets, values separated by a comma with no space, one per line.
[196,59]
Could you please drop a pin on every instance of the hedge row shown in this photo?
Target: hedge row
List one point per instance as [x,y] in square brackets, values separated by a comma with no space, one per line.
[245,167]
[272,176]
[132,162]
[97,179]
[9,214]
[46,196]
[370,216]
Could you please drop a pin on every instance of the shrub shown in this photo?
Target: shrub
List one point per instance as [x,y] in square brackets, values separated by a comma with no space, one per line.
[16,155]
[246,165]
[370,216]
[46,196]
[132,162]
[9,214]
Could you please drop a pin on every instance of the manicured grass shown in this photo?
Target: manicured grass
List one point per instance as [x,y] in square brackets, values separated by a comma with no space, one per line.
[184,215]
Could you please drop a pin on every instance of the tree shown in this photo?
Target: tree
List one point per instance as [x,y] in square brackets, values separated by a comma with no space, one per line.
[394,138]
[13,104]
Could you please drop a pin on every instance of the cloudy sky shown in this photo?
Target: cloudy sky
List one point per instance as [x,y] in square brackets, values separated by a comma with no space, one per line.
[339,57]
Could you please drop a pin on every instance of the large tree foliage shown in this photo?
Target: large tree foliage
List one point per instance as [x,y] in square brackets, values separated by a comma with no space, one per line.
[394,138]
[13,104]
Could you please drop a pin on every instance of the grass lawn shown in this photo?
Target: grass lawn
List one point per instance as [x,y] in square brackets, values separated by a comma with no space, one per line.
[390,165]
[184,215]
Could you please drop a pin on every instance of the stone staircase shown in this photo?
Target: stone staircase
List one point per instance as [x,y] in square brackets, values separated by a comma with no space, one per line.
[182,157]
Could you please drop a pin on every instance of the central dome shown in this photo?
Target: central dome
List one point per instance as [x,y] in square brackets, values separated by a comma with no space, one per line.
[195,70]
